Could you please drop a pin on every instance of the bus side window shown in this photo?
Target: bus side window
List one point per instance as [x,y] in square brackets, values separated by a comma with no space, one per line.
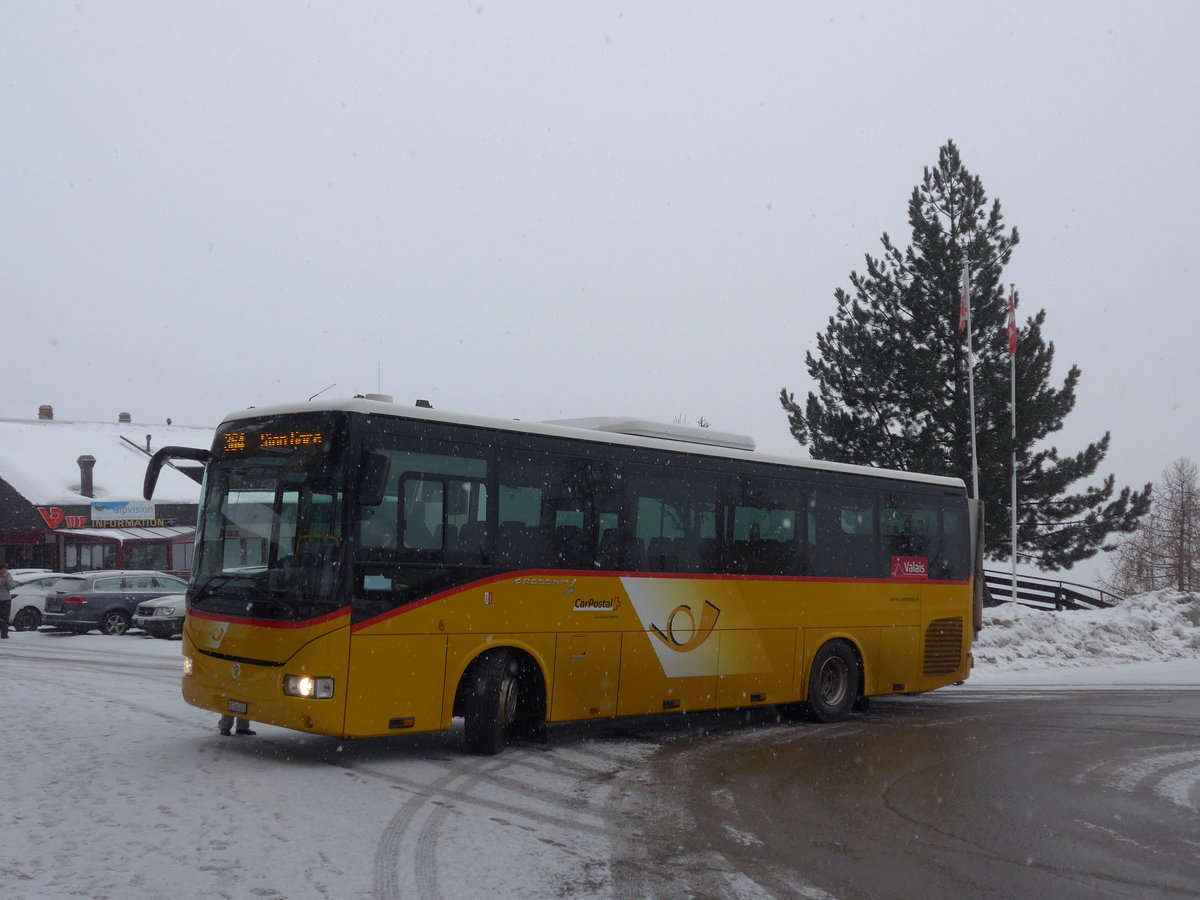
[766,528]
[844,537]
[423,515]
[466,521]
[545,512]
[675,518]
[379,526]
[930,528]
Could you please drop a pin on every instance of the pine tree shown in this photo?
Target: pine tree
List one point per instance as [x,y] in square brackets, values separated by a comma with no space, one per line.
[1164,551]
[891,375]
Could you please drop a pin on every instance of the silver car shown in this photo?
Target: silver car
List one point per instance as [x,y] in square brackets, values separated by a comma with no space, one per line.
[163,617]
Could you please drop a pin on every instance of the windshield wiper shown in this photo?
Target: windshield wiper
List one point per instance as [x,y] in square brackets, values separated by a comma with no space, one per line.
[213,583]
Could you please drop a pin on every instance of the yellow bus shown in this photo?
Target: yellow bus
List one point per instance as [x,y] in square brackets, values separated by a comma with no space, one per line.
[364,569]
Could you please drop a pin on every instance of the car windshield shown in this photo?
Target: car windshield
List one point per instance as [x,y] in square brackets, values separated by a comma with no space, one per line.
[270,538]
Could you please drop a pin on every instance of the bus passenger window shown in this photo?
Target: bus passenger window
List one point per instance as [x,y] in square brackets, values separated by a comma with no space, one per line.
[423,514]
[765,528]
[843,538]
[379,527]
[675,518]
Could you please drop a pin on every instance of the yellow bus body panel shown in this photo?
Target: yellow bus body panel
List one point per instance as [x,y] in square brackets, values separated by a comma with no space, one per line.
[606,645]
[587,669]
[396,678]
[244,661]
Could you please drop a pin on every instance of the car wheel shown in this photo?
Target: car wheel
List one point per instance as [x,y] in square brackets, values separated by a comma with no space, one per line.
[115,622]
[27,619]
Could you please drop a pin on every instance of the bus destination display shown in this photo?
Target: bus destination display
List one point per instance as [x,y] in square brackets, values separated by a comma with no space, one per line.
[243,441]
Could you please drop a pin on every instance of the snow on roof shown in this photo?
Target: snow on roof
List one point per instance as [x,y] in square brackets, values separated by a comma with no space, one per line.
[39,460]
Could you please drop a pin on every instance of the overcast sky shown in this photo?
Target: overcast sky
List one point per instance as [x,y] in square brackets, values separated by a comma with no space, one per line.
[546,210]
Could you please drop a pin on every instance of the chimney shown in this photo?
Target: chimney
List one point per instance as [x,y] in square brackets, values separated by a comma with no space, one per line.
[46,412]
[85,475]
[148,443]
[124,418]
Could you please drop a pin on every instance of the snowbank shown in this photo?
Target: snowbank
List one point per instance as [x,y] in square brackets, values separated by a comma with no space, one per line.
[1160,626]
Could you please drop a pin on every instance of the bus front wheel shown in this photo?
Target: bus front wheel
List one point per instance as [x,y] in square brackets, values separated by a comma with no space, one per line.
[833,682]
[491,702]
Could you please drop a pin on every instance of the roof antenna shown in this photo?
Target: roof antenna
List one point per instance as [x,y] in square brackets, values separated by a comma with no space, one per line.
[321,391]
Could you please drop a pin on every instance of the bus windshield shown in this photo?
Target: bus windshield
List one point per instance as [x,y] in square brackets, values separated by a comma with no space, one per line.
[270,542]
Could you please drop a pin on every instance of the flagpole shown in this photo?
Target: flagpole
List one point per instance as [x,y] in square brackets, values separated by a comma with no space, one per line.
[1012,356]
[965,318]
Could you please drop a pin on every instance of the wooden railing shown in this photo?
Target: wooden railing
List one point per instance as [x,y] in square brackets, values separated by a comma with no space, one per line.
[1046,593]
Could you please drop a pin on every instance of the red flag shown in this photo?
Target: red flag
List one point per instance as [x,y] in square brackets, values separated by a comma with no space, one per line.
[966,294]
[1012,321]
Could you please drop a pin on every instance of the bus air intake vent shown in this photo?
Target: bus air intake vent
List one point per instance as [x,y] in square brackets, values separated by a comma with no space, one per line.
[943,646]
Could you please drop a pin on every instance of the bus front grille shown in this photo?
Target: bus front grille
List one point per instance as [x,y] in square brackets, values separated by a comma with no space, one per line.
[943,646]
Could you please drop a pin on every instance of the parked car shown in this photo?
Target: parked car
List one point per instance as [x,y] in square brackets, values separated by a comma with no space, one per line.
[105,600]
[29,598]
[163,617]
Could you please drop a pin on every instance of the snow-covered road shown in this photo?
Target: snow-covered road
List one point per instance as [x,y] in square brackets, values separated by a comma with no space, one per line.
[112,787]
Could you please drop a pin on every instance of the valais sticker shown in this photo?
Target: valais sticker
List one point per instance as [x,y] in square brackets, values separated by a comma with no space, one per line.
[910,567]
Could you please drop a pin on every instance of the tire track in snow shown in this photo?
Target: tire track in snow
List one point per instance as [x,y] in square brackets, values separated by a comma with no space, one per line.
[416,811]
[566,817]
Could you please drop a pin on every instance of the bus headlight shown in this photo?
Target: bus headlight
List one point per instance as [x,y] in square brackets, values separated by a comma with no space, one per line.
[308,687]
[187,666]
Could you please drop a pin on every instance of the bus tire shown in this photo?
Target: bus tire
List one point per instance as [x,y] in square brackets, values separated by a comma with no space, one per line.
[492,702]
[833,682]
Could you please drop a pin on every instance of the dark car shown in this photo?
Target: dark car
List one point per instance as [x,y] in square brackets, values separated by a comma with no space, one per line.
[104,600]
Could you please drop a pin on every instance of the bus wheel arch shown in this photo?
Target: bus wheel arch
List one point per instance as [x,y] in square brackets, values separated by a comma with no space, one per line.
[835,682]
[502,698]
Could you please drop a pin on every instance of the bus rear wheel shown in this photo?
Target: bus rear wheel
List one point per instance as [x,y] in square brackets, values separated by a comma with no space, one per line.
[491,703]
[833,682]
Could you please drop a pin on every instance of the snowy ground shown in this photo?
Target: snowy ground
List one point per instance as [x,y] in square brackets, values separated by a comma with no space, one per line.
[111,787]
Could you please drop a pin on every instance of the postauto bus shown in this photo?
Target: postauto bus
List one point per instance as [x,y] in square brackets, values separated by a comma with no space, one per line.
[364,568]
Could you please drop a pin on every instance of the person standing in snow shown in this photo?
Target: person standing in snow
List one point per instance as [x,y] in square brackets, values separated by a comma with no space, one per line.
[225,726]
[6,586]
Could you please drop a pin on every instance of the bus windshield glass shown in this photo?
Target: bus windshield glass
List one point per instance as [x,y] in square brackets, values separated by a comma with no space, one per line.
[270,541]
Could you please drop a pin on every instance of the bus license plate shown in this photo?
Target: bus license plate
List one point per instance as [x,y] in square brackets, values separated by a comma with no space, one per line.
[237,707]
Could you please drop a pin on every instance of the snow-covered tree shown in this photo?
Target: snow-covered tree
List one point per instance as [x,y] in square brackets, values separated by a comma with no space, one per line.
[891,377]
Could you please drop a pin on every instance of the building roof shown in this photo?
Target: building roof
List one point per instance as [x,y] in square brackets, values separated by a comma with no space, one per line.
[39,460]
[121,535]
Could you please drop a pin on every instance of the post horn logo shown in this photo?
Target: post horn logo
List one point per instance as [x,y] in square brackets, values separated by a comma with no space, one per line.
[695,636]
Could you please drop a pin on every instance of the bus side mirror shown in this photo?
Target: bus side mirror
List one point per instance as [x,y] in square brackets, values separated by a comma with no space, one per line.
[164,457]
[373,478]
